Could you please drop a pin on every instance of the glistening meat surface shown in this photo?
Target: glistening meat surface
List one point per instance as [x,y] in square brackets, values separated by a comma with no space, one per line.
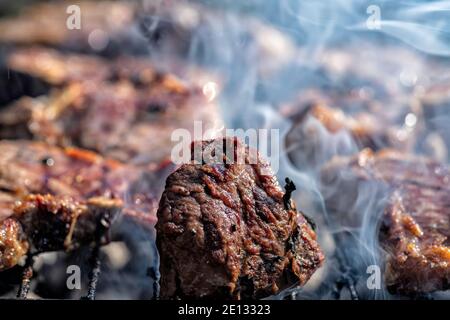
[126,109]
[47,223]
[415,224]
[319,132]
[223,232]
[58,199]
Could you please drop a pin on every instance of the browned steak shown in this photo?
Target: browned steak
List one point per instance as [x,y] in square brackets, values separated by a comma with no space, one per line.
[110,28]
[319,132]
[14,119]
[415,228]
[54,199]
[126,109]
[436,109]
[47,223]
[224,232]
[46,23]
[57,68]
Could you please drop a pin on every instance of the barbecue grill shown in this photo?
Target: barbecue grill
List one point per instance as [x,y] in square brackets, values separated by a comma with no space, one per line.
[328,78]
[94,275]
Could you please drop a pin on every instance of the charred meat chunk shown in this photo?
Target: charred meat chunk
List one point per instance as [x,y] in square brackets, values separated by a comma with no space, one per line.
[117,111]
[13,243]
[104,25]
[47,223]
[319,132]
[61,199]
[416,233]
[436,108]
[57,68]
[34,167]
[223,230]
[415,221]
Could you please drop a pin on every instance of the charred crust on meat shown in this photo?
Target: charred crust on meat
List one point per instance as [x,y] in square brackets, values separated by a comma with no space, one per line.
[289,187]
[246,244]
[291,244]
[310,221]
[413,230]
[44,210]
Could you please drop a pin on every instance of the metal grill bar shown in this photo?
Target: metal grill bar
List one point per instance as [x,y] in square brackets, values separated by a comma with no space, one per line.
[153,273]
[347,279]
[27,274]
[348,282]
[94,274]
[103,225]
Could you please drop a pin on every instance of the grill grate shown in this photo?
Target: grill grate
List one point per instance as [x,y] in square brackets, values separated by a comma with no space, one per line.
[103,225]
[94,274]
[347,276]
[345,281]
[27,274]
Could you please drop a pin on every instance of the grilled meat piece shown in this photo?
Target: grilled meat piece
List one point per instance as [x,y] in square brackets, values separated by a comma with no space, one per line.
[118,118]
[57,68]
[223,230]
[121,27]
[14,119]
[435,99]
[13,243]
[29,167]
[53,199]
[346,104]
[48,223]
[416,235]
[103,25]
[319,132]
[186,28]
[415,225]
